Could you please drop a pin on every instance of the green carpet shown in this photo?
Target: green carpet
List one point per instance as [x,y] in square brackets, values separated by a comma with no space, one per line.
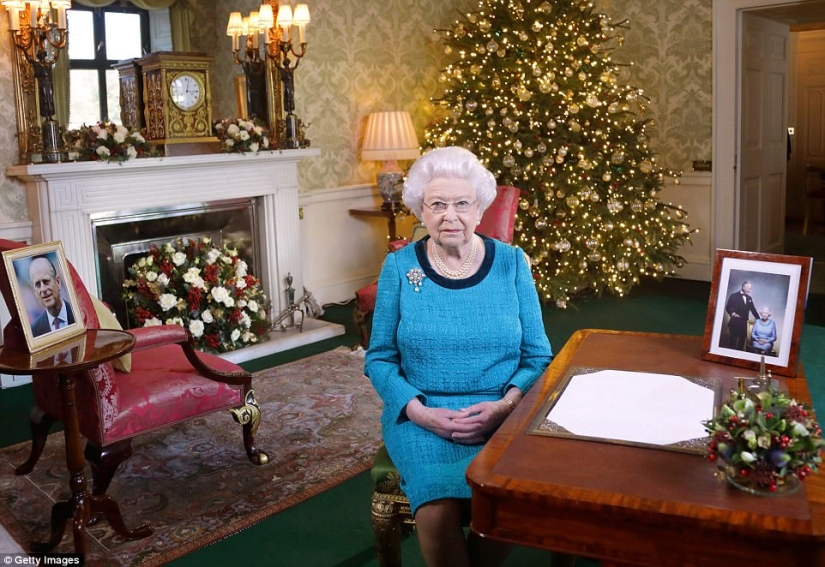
[333,528]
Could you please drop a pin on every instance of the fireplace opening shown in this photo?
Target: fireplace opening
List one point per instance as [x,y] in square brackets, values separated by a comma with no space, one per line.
[122,237]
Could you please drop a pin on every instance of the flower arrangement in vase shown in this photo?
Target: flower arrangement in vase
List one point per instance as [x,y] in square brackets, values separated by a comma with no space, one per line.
[107,141]
[202,287]
[767,441]
[240,136]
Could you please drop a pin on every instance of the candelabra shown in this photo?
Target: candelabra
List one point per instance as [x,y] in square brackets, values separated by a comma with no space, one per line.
[38,29]
[280,51]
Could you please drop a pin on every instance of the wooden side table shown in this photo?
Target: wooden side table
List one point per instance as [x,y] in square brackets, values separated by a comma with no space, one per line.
[82,353]
[389,214]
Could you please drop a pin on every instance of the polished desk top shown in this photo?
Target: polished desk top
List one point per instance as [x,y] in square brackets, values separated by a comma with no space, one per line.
[632,504]
[82,352]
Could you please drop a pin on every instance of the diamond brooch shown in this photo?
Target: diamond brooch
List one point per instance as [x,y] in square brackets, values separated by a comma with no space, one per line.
[415,276]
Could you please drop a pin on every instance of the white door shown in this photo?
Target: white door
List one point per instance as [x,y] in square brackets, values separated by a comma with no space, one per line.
[763,138]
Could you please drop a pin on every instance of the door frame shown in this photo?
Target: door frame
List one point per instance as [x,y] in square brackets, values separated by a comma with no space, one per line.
[727,47]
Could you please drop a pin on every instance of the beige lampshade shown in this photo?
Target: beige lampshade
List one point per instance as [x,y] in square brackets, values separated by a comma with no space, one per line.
[390,136]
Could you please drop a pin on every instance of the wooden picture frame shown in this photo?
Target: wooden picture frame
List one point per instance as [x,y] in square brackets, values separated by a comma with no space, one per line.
[46,265]
[736,331]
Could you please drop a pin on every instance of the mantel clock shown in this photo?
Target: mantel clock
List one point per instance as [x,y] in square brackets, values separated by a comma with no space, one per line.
[178,102]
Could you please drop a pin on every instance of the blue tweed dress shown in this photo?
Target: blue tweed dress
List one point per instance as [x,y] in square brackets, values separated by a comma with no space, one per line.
[451,343]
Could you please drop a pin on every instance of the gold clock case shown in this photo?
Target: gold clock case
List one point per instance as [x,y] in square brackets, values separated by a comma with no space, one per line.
[166,123]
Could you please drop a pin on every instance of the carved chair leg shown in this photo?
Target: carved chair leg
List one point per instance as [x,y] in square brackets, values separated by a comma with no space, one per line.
[387,528]
[249,416]
[40,423]
[105,461]
[361,321]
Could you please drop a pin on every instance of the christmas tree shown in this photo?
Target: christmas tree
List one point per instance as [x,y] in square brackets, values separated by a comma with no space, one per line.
[534,94]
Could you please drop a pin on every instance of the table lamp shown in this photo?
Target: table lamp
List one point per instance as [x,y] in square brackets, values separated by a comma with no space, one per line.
[390,136]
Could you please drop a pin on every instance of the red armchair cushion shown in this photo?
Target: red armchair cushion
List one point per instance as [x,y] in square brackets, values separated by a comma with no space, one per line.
[163,389]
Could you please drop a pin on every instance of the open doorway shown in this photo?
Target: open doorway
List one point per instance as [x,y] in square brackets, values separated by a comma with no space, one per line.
[733,213]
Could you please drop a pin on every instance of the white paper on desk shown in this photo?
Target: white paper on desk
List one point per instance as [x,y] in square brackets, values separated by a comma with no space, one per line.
[659,409]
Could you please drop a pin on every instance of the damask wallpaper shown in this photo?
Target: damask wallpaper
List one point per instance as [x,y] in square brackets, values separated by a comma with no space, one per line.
[372,55]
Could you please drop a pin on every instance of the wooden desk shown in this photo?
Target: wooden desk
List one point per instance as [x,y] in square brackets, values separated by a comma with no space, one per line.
[633,505]
[88,351]
[389,214]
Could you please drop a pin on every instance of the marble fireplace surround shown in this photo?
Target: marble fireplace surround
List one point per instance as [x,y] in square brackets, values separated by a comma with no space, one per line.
[63,197]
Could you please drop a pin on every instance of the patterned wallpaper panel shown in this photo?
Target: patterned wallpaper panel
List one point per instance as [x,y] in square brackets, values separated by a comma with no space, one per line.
[670,43]
[372,55]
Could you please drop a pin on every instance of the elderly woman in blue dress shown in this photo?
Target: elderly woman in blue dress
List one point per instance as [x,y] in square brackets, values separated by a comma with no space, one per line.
[763,334]
[457,340]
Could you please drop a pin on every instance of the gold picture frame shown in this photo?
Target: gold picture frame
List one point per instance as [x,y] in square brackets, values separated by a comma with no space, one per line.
[50,296]
[736,332]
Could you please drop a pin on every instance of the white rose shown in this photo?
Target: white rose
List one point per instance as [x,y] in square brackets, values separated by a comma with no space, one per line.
[142,262]
[241,268]
[244,135]
[151,276]
[102,134]
[266,142]
[198,283]
[138,138]
[103,151]
[233,129]
[191,275]
[246,322]
[178,258]
[167,301]
[240,283]
[241,303]
[131,152]
[247,336]
[196,328]
[252,305]
[229,142]
[229,302]
[207,316]
[212,256]
[254,147]
[258,130]
[163,279]
[235,335]
[220,294]
[226,259]
[119,137]
[153,322]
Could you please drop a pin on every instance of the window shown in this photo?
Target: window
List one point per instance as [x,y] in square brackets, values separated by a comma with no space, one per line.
[98,38]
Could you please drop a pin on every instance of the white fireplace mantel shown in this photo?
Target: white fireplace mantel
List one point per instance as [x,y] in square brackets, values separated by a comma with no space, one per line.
[62,197]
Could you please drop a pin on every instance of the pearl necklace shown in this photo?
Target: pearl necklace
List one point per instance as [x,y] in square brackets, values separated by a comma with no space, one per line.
[462,270]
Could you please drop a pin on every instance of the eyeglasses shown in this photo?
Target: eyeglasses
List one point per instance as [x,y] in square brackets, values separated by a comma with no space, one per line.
[440,207]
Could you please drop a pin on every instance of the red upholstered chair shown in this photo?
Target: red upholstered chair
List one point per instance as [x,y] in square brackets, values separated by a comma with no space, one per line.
[169,382]
[498,222]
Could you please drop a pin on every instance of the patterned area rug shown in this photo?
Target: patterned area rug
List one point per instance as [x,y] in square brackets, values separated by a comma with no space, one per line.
[193,483]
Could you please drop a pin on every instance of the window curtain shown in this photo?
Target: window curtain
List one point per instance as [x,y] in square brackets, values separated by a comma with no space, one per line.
[180,18]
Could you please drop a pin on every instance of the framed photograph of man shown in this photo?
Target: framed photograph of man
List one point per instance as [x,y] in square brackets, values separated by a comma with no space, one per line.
[756,309]
[43,294]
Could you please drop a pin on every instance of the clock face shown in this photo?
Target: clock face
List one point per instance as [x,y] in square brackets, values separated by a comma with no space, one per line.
[186,91]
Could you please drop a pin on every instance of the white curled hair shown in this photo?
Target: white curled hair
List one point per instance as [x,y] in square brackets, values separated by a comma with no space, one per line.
[451,162]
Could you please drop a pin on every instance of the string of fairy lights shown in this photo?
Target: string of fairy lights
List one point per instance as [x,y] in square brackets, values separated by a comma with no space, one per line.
[534,93]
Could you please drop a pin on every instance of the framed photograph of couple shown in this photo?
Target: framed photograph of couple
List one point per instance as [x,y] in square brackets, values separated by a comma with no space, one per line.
[44,296]
[756,309]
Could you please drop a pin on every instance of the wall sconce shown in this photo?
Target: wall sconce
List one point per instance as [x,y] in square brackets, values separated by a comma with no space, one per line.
[38,31]
[390,136]
[277,48]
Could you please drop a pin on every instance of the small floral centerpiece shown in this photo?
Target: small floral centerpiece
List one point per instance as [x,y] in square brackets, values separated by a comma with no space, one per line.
[107,141]
[202,287]
[767,440]
[240,136]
